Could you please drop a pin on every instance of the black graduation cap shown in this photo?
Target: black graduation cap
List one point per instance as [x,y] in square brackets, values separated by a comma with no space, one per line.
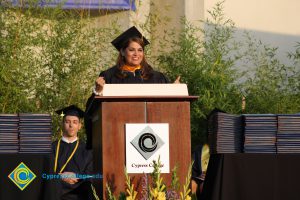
[129,33]
[71,111]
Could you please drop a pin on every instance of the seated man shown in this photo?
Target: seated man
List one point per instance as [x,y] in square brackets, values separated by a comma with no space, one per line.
[201,159]
[72,158]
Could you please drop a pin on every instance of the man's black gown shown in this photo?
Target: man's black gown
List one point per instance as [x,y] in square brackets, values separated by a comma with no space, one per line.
[81,163]
[110,77]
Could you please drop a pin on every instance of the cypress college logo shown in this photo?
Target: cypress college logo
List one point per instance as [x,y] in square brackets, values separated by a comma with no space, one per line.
[147,142]
[22,176]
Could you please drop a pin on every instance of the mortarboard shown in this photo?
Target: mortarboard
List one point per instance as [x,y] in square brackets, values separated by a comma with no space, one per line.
[126,35]
[72,111]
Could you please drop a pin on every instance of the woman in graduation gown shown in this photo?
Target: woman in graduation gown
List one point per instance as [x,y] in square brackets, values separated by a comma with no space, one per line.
[131,67]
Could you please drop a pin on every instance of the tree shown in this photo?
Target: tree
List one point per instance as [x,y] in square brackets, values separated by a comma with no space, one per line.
[205,64]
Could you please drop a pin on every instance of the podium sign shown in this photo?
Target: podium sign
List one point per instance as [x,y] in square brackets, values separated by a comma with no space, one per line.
[145,143]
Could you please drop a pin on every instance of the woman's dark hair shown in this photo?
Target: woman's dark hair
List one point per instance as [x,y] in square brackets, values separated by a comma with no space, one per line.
[146,68]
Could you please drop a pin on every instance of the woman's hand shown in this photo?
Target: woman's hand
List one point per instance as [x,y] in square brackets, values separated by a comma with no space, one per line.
[177,81]
[99,83]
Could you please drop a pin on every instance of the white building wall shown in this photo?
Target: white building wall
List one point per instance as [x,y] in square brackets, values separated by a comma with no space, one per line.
[194,10]
[268,15]
[274,22]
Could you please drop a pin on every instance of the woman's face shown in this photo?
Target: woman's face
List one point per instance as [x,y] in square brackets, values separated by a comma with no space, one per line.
[134,54]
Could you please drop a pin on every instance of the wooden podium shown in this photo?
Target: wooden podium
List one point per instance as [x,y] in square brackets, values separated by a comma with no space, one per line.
[109,116]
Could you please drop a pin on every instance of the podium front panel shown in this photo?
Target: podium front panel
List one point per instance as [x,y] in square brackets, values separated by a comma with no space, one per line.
[177,114]
[109,139]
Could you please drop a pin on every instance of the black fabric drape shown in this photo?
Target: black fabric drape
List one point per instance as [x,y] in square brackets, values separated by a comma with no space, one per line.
[38,189]
[252,177]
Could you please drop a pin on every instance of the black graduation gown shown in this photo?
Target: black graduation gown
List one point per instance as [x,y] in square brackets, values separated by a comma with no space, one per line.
[111,78]
[197,169]
[81,163]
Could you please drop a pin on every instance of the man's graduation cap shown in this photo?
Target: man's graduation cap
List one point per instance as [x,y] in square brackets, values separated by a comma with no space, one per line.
[71,111]
[125,36]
